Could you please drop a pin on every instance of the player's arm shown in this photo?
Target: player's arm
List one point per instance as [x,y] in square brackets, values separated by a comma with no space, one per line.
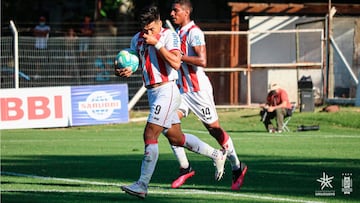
[172,57]
[200,58]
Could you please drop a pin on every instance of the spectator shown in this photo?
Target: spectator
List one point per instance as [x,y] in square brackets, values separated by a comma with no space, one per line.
[277,105]
[41,32]
[86,32]
[71,39]
[71,36]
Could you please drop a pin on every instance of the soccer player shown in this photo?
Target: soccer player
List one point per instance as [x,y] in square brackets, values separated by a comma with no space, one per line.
[197,93]
[159,54]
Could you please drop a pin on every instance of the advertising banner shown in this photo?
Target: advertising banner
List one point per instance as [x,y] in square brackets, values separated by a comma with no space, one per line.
[99,104]
[35,107]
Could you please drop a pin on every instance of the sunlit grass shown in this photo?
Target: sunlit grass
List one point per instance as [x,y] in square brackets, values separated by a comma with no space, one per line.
[87,164]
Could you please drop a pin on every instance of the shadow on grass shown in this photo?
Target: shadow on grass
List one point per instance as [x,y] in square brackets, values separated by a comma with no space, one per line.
[275,175]
[53,197]
[251,115]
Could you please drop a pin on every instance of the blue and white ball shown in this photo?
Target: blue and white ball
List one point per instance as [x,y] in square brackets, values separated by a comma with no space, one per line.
[127,58]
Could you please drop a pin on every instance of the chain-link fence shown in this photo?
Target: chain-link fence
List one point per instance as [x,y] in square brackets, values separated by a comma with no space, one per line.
[63,63]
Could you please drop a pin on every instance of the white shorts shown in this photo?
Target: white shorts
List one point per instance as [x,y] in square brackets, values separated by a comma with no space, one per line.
[201,104]
[164,101]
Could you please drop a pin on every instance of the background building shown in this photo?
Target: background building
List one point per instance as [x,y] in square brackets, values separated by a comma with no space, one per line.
[115,22]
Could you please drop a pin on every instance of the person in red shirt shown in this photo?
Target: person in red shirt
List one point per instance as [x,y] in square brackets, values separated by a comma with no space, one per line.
[277,105]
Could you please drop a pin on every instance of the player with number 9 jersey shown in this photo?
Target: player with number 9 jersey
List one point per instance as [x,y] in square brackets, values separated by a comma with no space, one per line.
[160,58]
[154,69]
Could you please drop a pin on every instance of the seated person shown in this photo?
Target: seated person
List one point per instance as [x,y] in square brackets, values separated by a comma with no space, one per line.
[278,106]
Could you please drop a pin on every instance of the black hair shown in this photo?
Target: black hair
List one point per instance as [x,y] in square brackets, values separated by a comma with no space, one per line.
[272,93]
[149,14]
[186,3]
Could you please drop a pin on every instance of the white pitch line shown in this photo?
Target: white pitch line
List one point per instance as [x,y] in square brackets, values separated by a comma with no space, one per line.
[341,136]
[58,191]
[281,135]
[154,190]
[59,179]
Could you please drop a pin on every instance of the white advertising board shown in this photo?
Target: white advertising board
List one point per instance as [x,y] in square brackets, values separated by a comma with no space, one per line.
[35,107]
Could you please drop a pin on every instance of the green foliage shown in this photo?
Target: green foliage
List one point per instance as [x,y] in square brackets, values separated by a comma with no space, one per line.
[87,164]
[111,8]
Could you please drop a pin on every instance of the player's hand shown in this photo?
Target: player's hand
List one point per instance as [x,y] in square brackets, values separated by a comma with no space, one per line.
[150,39]
[123,72]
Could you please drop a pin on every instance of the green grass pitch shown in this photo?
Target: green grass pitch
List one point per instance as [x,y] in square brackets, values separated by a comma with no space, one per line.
[88,164]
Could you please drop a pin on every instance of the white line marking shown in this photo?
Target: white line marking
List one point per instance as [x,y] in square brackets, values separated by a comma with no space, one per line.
[277,135]
[341,136]
[59,179]
[154,190]
[58,191]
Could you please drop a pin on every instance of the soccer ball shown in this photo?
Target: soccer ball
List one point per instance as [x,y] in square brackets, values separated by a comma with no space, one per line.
[127,58]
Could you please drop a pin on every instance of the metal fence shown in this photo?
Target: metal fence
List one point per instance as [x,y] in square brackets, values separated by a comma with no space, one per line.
[63,63]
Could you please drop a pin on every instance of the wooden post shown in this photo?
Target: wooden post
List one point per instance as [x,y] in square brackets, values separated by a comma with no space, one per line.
[248,71]
[356,59]
[234,60]
[330,55]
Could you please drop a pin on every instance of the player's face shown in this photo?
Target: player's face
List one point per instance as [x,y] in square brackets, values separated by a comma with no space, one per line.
[153,28]
[179,14]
